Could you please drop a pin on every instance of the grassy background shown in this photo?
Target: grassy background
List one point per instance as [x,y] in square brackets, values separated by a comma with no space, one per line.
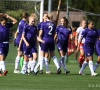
[72,81]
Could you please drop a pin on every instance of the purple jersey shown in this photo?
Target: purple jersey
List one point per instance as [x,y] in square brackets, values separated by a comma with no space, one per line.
[63,34]
[90,39]
[48,28]
[22,23]
[98,44]
[30,34]
[4,32]
[4,38]
[98,41]
[90,35]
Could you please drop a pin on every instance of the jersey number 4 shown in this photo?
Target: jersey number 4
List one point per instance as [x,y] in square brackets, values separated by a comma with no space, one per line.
[50,32]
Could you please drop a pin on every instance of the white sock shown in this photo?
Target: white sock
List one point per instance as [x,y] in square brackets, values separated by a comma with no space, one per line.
[41,63]
[3,66]
[91,67]
[36,67]
[83,66]
[95,66]
[17,62]
[63,63]
[28,65]
[33,63]
[24,68]
[46,64]
[55,60]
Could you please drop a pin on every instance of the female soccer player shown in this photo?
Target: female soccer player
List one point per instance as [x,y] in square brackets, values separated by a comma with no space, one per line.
[46,54]
[18,36]
[29,37]
[98,52]
[61,37]
[77,38]
[91,36]
[46,37]
[4,39]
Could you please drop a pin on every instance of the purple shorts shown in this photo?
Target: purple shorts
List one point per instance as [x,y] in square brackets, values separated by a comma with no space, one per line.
[89,49]
[48,47]
[29,50]
[62,47]
[4,49]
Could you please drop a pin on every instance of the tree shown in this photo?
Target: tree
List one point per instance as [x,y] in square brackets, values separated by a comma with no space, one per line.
[89,6]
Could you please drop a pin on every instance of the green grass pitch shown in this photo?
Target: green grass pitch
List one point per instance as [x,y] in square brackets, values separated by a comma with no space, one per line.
[72,81]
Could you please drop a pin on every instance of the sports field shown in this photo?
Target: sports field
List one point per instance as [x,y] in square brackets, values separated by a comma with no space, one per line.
[72,81]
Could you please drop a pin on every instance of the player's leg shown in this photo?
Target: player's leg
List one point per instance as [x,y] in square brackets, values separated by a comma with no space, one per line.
[56,62]
[91,66]
[82,56]
[44,48]
[2,61]
[25,63]
[85,63]
[40,63]
[17,61]
[33,62]
[62,52]
[18,57]
[47,54]
[5,53]
[76,53]
[30,58]
[55,59]
[98,61]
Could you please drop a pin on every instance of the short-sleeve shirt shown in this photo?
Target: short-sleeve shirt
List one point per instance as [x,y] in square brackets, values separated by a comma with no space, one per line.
[63,33]
[79,31]
[90,35]
[30,34]
[4,32]
[48,28]
[22,23]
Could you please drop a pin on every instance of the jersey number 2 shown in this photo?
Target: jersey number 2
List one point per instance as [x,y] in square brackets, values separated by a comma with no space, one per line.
[50,32]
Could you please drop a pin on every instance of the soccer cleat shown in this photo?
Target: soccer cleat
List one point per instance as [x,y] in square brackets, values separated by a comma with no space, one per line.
[16,71]
[41,71]
[48,72]
[5,72]
[28,71]
[94,74]
[35,73]
[66,72]
[80,73]
[58,71]
[23,72]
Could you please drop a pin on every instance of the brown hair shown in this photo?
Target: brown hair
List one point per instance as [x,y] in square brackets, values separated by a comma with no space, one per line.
[25,15]
[65,19]
[50,16]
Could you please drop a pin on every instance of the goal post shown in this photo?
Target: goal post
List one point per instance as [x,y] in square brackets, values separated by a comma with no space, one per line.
[41,6]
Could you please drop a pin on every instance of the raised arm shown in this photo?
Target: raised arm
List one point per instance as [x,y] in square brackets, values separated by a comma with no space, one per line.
[14,21]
